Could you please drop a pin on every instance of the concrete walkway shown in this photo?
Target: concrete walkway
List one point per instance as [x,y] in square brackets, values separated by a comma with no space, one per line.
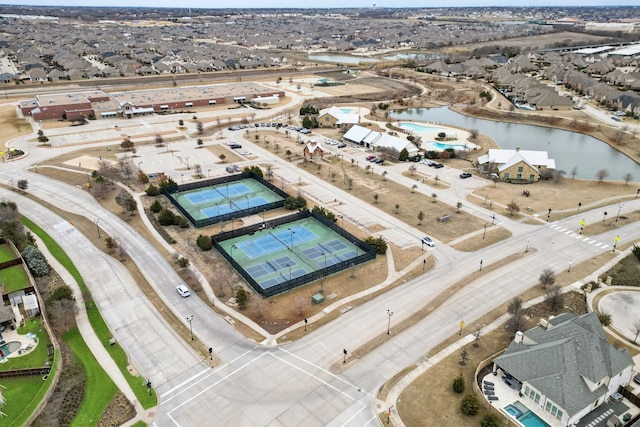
[91,339]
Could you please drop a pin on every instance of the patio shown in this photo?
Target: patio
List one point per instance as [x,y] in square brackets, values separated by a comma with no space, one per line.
[509,396]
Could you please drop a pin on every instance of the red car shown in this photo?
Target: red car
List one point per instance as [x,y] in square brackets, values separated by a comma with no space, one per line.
[369,158]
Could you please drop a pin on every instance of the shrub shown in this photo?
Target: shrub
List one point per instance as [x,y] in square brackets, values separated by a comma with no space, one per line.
[636,251]
[293,203]
[180,221]
[470,405]
[458,384]
[152,190]
[60,293]
[325,213]
[156,206]
[490,420]
[166,217]
[36,262]
[204,242]
[378,243]
[183,262]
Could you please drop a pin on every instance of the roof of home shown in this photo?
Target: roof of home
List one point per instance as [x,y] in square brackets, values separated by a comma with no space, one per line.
[501,157]
[568,360]
[341,116]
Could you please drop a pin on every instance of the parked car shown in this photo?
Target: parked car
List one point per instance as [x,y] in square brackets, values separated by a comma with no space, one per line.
[426,240]
[378,160]
[342,145]
[235,145]
[617,119]
[370,157]
[438,165]
[183,291]
[465,175]
[245,153]
[373,159]
[636,379]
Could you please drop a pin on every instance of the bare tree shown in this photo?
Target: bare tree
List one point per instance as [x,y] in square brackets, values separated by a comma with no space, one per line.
[627,177]
[159,140]
[420,217]
[558,174]
[601,175]
[573,172]
[636,330]
[517,314]
[547,277]
[513,208]
[412,169]
[473,133]
[464,356]
[476,337]
[554,298]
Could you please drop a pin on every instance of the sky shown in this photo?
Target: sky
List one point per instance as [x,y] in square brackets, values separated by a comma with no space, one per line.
[323,4]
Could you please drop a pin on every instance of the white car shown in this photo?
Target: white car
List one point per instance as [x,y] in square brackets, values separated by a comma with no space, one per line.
[183,291]
[426,240]
[245,153]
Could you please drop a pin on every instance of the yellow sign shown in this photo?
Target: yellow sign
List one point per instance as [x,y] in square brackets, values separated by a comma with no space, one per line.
[582,223]
[617,239]
[461,324]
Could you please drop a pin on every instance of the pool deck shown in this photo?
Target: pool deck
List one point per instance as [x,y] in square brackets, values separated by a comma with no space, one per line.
[598,418]
[27,344]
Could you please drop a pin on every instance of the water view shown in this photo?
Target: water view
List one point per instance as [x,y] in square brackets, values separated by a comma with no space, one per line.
[569,149]
[341,59]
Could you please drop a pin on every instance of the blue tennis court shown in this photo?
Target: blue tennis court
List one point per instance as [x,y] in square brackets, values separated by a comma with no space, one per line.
[232,206]
[271,241]
[274,256]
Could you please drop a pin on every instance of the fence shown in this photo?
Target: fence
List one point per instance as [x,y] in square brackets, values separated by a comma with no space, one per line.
[368,253]
[199,223]
[27,372]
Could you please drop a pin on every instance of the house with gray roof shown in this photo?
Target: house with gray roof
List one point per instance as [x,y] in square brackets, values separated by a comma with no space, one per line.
[565,366]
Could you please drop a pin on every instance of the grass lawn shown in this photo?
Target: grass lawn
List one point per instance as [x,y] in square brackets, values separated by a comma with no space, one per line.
[35,358]
[99,390]
[97,322]
[23,395]
[139,424]
[14,278]
[6,253]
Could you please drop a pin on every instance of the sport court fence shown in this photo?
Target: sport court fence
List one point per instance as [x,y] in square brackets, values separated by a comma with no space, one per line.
[367,253]
[254,210]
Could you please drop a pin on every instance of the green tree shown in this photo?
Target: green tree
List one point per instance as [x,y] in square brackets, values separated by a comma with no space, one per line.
[181,221]
[36,261]
[156,206]
[61,292]
[376,197]
[458,384]
[420,217]
[604,318]
[306,122]
[378,243]
[152,190]
[183,262]
[166,217]
[242,298]
[23,184]
[168,183]
[204,242]
[470,405]
[404,155]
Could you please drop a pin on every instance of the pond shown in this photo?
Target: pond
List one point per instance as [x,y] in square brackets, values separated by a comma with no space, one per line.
[569,149]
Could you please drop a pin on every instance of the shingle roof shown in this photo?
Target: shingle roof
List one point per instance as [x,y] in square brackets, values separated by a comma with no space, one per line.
[565,359]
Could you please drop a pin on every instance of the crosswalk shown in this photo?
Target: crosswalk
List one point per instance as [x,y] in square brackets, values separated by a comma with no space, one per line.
[572,233]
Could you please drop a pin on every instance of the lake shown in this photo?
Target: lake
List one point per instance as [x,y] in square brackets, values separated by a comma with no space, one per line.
[341,59]
[569,149]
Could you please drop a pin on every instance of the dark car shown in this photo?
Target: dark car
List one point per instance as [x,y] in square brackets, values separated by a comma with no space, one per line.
[378,160]
[438,165]
[235,145]
[342,145]
[464,175]
[636,379]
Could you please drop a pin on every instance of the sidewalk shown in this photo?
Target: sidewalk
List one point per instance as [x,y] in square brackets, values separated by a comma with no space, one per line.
[92,340]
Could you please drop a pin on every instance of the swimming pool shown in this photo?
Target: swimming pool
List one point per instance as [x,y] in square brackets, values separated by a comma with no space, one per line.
[8,348]
[524,415]
[439,146]
[419,128]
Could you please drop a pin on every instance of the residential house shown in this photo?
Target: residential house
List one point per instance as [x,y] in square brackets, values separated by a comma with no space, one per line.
[565,367]
[516,165]
[379,141]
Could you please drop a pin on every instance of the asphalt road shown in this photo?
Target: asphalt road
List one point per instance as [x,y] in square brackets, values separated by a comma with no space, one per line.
[305,382]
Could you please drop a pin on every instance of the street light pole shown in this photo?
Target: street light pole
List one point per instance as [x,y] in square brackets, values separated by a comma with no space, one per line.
[493,219]
[96,221]
[291,240]
[190,319]
[619,209]
[570,264]
[605,216]
[480,265]
[485,232]
[389,313]
[527,248]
